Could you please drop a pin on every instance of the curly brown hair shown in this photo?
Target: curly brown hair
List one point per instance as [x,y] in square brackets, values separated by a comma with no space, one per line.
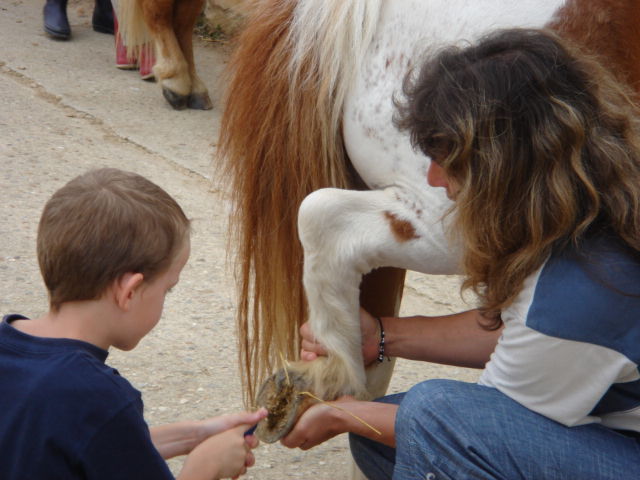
[544,145]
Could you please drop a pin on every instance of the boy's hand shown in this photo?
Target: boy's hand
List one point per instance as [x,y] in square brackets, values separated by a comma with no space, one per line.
[181,438]
[224,455]
[223,450]
[221,423]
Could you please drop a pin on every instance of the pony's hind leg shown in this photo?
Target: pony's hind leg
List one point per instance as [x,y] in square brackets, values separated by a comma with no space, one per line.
[171,68]
[186,14]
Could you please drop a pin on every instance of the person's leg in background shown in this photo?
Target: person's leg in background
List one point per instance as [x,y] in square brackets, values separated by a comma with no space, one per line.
[56,22]
[127,59]
[102,19]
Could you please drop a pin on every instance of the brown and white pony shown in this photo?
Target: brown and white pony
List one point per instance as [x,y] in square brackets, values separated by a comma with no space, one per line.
[169,25]
[310,152]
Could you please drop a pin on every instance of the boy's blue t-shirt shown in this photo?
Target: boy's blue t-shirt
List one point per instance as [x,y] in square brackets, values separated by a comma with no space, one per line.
[65,414]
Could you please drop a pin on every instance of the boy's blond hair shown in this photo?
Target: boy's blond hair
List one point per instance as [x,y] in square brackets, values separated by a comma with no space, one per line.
[101,225]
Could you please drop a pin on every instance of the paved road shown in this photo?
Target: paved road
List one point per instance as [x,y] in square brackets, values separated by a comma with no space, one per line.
[64,109]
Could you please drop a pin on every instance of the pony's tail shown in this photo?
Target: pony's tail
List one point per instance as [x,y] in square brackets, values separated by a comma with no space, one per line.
[280,140]
[131,26]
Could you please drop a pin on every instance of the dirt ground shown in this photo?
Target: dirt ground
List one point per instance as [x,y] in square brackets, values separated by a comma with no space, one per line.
[66,109]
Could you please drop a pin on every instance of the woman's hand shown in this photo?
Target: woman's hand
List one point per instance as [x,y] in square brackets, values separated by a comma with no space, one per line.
[317,424]
[311,349]
[322,421]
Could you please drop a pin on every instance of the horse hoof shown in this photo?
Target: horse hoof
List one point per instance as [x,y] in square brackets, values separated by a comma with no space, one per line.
[177,101]
[281,395]
[200,101]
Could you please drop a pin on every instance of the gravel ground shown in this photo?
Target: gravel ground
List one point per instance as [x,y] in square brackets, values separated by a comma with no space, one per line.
[65,109]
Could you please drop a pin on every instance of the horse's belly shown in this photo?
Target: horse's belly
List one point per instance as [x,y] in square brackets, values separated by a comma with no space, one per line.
[407,31]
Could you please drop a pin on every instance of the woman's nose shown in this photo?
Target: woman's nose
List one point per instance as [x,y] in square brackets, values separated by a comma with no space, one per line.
[436,176]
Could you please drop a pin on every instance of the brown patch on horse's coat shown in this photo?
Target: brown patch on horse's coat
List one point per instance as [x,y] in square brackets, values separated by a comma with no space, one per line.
[403,230]
[608,29]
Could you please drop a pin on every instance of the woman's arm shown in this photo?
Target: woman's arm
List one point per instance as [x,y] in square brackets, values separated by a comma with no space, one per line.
[457,339]
[323,421]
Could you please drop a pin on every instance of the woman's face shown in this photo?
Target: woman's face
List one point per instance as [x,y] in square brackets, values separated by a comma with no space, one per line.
[437,177]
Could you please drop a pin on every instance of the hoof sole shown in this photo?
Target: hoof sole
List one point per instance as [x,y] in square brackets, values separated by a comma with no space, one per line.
[280,395]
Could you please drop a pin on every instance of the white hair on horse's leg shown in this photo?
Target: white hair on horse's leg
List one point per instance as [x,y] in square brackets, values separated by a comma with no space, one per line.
[346,234]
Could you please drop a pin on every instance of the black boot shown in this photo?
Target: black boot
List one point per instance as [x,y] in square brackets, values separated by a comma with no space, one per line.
[103,17]
[56,22]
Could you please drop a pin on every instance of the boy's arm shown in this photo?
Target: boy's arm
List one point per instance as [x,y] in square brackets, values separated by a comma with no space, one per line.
[175,439]
[180,438]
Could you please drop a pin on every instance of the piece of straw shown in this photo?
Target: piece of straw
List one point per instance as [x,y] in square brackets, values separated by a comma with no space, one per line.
[284,367]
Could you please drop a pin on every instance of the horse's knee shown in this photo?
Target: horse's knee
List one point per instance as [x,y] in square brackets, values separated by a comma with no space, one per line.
[317,203]
[327,211]
[315,214]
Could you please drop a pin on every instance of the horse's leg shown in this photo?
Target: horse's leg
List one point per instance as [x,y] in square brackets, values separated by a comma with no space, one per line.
[184,21]
[345,234]
[381,295]
[171,68]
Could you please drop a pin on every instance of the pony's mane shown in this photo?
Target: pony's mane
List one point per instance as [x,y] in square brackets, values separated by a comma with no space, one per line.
[288,78]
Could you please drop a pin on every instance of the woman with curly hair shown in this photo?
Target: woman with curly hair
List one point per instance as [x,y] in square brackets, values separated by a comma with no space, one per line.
[540,150]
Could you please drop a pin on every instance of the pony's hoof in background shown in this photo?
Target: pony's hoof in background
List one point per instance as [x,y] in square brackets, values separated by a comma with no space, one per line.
[177,101]
[200,101]
[281,395]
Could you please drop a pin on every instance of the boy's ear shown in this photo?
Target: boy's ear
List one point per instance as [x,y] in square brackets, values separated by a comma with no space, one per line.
[125,288]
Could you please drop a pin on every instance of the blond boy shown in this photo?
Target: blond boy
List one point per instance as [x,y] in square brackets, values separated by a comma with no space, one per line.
[111,244]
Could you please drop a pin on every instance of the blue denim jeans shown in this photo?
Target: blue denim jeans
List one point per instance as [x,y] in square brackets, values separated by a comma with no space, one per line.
[449,430]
